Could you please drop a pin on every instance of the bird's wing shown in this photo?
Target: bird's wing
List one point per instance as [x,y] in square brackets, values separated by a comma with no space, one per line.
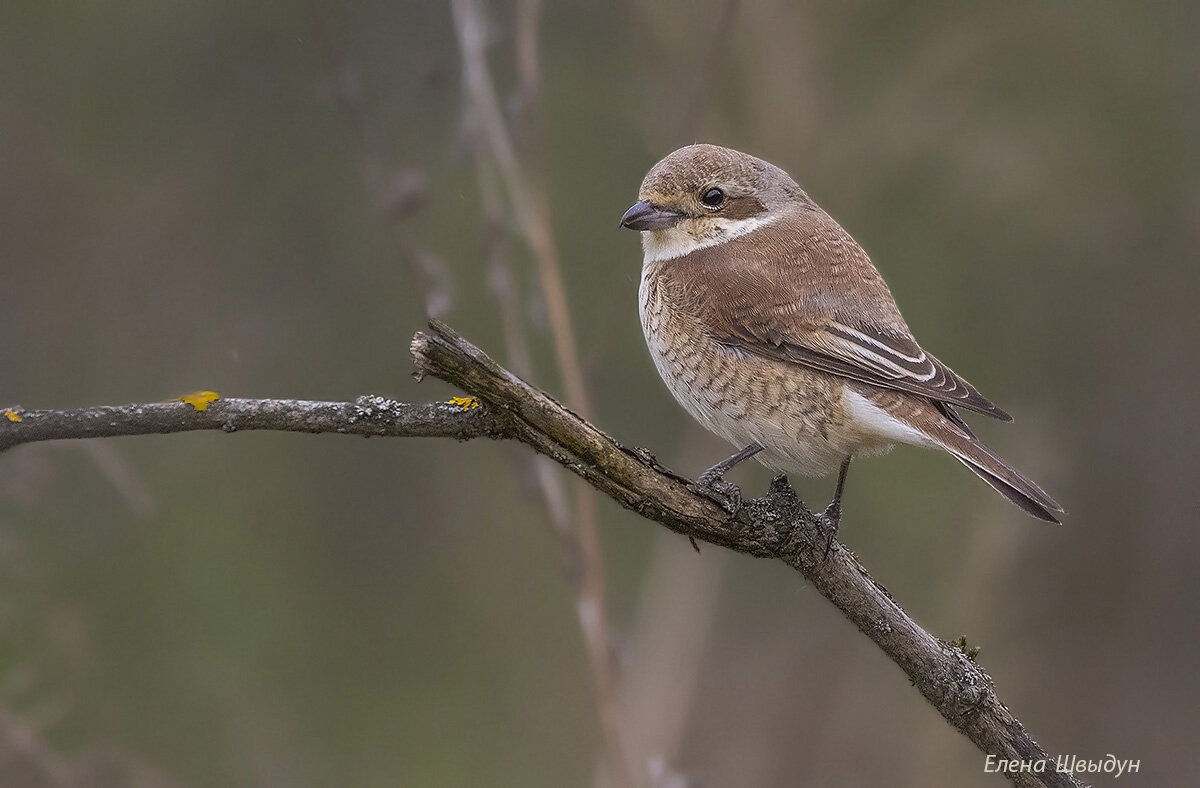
[825,307]
[866,354]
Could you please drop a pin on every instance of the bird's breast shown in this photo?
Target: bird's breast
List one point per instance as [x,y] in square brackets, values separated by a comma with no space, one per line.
[795,412]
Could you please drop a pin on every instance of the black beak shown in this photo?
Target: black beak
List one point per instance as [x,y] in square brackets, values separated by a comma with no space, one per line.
[642,215]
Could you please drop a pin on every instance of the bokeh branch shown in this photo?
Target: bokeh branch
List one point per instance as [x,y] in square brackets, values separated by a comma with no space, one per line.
[775,526]
[505,141]
[517,161]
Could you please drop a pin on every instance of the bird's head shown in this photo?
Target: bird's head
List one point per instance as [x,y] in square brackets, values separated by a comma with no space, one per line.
[702,195]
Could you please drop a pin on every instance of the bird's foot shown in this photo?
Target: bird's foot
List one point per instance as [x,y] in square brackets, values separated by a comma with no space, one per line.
[713,485]
[828,520]
[725,494]
[827,523]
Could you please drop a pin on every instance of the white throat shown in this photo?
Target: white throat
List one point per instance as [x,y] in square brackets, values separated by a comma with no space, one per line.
[691,234]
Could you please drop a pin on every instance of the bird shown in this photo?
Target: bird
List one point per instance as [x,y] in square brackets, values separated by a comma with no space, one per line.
[771,326]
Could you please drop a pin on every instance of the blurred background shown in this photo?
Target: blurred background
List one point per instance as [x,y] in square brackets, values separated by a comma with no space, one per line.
[266,198]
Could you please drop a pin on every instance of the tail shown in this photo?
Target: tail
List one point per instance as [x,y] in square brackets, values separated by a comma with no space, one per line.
[1003,478]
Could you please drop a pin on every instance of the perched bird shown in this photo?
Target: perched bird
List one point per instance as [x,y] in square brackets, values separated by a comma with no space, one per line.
[770,325]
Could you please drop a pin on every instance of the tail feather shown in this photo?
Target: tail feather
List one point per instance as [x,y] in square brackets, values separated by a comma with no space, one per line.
[1002,477]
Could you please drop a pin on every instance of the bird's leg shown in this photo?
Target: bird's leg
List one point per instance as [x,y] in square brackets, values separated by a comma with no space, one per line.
[727,494]
[832,515]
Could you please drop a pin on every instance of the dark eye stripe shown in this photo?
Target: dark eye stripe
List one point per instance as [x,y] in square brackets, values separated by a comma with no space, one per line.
[743,208]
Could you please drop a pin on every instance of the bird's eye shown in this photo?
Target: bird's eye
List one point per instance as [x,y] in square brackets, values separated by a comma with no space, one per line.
[713,198]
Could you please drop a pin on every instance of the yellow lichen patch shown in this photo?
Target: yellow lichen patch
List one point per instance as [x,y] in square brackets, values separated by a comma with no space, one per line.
[198,399]
[466,403]
[12,415]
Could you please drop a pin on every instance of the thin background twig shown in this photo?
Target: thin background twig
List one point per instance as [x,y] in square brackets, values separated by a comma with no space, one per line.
[510,175]
[524,183]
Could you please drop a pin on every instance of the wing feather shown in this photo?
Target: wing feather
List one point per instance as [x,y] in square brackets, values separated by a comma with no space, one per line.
[819,303]
[835,350]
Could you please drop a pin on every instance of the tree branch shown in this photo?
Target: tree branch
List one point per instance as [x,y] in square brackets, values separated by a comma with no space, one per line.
[368,415]
[775,526]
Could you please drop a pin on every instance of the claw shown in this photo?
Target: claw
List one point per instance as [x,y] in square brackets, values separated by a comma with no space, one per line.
[830,519]
[832,516]
[725,494]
